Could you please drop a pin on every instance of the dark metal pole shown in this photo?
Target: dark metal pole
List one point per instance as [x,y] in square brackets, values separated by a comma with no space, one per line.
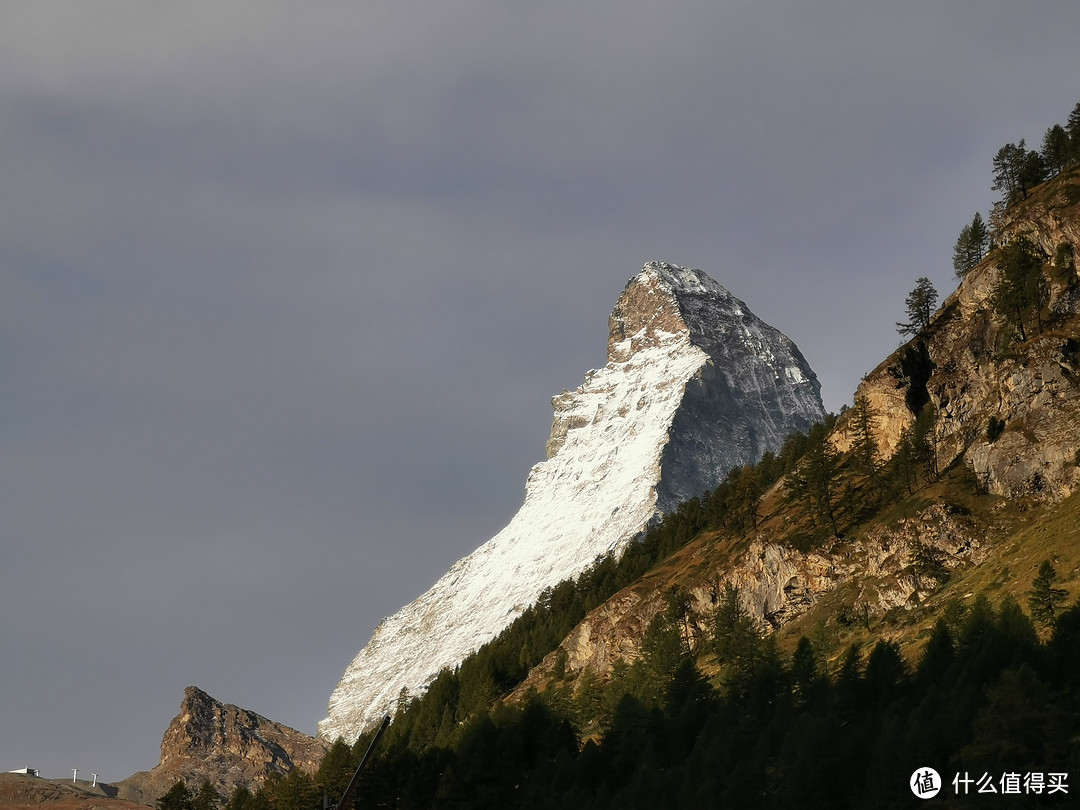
[363,761]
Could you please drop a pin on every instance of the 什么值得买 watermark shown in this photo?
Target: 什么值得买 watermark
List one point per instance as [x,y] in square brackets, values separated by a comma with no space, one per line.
[925,783]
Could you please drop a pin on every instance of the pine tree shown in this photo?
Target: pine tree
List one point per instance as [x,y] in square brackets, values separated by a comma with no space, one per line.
[748,491]
[970,246]
[207,797]
[812,481]
[588,699]
[920,304]
[938,655]
[241,799]
[662,650]
[1045,600]
[1033,173]
[679,608]
[816,475]
[864,447]
[1009,165]
[1056,149]
[178,797]
[1021,290]
[807,679]
[1072,127]
[886,671]
[1017,171]
[735,637]
[903,465]
[924,440]
[295,791]
[336,769]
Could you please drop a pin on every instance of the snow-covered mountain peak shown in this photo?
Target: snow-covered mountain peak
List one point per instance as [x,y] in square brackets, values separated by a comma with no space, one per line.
[678,279]
[695,385]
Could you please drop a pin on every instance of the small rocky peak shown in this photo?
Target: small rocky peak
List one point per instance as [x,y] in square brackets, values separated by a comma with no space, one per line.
[206,728]
[226,744]
[199,728]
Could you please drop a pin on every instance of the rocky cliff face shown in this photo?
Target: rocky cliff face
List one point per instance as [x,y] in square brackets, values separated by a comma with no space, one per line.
[228,745]
[695,384]
[964,367]
[776,583]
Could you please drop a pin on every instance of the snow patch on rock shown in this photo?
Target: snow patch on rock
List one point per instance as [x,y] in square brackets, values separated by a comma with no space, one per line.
[695,384]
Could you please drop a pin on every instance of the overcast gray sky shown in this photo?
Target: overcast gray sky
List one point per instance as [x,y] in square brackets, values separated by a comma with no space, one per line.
[285,289]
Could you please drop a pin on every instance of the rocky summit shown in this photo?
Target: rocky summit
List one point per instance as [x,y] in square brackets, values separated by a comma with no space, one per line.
[695,385]
[225,744]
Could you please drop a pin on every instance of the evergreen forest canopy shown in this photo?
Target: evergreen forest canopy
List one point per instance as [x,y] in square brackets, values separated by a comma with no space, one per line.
[987,699]
[713,713]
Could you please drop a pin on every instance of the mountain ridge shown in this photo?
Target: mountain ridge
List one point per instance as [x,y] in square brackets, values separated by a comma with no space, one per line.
[225,744]
[665,419]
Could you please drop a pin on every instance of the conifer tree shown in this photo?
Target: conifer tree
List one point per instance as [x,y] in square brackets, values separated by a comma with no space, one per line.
[748,491]
[938,655]
[735,638]
[864,446]
[295,791]
[920,304]
[808,681]
[1034,171]
[241,799]
[588,698]
[886,671]
[1072,127]
[820,467]
[336,769]
[207,798]
[1009,165]
[924,437]
[1021,290]
[662,651]
[970,246]
[1045,600]
[680,612]
[178,797]
[1056,149]
[903,464]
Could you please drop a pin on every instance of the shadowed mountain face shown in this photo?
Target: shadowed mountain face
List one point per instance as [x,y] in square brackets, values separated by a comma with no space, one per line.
[695,385]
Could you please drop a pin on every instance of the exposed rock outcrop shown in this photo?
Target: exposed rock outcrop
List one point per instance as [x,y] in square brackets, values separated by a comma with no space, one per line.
[695,385]
[776,585]
[228,745]
[966,366]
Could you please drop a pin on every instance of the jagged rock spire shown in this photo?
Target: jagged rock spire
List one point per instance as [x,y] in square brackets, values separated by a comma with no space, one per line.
[695,384]
[225,744]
